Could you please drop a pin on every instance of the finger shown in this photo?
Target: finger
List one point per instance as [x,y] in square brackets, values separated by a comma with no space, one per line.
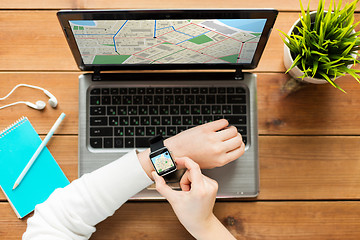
[162,188]
[195,175]
[233,143]
[185,182]
[214,184]
[227,133]
[235,154]
[216,125]
[180,164]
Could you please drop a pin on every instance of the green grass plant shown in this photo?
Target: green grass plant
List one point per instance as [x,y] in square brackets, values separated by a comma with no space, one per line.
[324,46]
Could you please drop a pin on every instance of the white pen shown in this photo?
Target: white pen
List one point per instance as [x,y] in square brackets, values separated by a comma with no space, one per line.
[38,151]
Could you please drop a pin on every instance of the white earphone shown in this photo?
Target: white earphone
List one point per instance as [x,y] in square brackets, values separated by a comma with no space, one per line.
[39,105]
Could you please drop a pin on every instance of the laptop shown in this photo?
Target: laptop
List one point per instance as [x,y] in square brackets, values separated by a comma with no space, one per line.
[120,110]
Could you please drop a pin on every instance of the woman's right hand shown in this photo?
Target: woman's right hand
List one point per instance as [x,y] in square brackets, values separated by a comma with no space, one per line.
[194,204]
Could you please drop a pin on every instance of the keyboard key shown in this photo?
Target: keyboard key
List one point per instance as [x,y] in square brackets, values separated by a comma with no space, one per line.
[123,121]
[98,121]
[122,110]
[132,91]
[226,109]
[197,120]
[208,118]
[166,120]
[230,90]
[164,110]
[220,99]
[186,90]
[161,131]
[111,110]
[141,91]
[105,100]
[115,100]
[108,142]
[97,110]
[96,142]
[179,99]
[190,99]
[200,99]
[181,129]
[113,121]
[236,99]
[240,90]
[155,121]
[101,131]
[171,131]
[105,91]
[168,90]
[143,110]
[177,90]
[150,131]
[148,99]
[174,110]
[137,99]
[242,130]
[195,90]
[118,142]
[129,142]
[204,90]
[216,109]
[150,90]
[159,90]
[114,91]
[212,90]
[132,110]
[236,119]
[95,91]
[187,120]
[244,138]
[145,120]
[139,131]
[221,90]
[129,131]
[169,99]
[158,99]
[239,109]
[195,109]
[94,100]
[134,121]
[119,131]
[126,99]
[142,142]
[210,99]
[184,110]
[123,91]
[176,120]
[153,110]
[205,109]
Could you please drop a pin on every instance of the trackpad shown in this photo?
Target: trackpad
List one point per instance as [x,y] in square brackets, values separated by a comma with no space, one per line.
[172,179]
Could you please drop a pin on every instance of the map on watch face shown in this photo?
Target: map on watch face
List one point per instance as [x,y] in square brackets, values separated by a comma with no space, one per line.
[162,162]
[191,41]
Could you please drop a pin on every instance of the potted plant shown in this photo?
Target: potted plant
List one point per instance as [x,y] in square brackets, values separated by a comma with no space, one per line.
[322,45]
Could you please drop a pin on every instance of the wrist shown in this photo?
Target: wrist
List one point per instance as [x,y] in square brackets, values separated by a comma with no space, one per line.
[212,228]
[145,162]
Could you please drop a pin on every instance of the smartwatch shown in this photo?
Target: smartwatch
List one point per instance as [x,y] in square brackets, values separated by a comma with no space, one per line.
[160,156]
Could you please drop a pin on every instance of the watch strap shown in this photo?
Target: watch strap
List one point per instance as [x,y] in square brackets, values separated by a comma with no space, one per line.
[156,143]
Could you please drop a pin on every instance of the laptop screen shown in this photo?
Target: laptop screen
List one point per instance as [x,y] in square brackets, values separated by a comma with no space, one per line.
[169,43]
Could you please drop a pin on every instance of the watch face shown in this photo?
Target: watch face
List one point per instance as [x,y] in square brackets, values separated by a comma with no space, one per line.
[162,161]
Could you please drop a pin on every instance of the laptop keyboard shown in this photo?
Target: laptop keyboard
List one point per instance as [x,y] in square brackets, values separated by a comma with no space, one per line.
[128,117]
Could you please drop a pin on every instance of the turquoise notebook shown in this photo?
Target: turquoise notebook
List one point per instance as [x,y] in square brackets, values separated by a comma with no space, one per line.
[18,143]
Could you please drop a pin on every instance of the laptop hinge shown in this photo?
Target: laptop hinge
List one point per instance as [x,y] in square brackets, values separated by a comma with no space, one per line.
[239,75]
[96,74]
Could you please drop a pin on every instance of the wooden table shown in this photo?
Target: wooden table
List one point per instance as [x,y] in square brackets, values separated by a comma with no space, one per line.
[309,140]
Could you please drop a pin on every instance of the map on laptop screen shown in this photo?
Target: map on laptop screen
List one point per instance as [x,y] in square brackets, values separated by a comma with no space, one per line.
[167,41]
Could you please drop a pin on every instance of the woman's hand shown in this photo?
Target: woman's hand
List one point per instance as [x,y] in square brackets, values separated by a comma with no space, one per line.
[194,204]
[213,144]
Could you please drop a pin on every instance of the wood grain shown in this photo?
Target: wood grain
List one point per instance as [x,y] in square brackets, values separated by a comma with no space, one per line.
[245,220]
[315,109]
[291,167]
[283,5]
[33,40]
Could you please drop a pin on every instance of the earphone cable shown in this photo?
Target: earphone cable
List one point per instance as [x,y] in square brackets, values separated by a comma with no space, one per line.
[21,85]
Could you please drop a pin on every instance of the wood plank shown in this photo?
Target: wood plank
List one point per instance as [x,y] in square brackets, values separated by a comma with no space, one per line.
[33,40]
[316,109]
[245,220]
[282,5]
[291,167]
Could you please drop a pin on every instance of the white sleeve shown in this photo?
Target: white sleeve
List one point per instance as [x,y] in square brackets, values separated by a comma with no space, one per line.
[72,212]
